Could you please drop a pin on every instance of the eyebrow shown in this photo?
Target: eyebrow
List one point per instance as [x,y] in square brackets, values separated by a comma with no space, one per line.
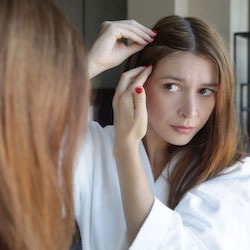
[213,84]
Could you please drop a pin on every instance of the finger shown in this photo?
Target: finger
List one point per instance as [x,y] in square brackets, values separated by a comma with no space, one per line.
[142,77]
[137,78]
[135,24]
[139,96]
[140,110]
[129,29]
[126,79]
[134,34]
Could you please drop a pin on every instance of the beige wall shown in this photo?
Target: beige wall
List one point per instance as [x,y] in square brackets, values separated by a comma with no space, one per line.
[227,16]
[148,12]
[74,12]
[216,12]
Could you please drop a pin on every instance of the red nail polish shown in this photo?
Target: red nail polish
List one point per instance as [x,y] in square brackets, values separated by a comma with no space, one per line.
[154,31]
[138,90]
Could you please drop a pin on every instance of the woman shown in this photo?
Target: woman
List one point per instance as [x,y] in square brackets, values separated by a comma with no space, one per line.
[187,184]
[43,105]
[44,99]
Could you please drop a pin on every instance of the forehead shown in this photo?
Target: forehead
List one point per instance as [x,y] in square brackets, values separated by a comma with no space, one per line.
[188,66]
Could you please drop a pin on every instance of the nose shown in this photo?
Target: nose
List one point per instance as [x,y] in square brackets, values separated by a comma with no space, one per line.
[188,107]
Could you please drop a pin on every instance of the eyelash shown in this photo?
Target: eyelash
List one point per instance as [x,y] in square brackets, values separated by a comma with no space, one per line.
[168,86]
[212,91]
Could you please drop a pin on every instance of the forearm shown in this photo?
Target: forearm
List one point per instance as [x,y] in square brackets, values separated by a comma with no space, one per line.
[136,194]
[94,68]
[109,51]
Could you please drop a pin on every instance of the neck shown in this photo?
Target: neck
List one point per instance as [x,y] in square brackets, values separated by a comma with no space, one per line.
[157,154]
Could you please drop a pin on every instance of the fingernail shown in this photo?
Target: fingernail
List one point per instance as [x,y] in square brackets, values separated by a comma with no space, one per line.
[147,41]
[154,31]
[139,90]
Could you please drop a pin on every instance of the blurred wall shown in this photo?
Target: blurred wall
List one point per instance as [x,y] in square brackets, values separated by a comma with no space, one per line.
[73,9]
[87,16]
[227,16]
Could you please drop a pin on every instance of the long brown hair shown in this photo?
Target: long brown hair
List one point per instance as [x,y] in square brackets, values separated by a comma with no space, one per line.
[44,95]
[219,143]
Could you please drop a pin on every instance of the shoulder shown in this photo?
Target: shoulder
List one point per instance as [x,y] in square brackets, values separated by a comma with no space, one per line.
[240,169]
[213,215]
[95,136]
[231,183]
[221,204]
[93,161]
[96,143]
[224,196]
[237,175]
[94,129]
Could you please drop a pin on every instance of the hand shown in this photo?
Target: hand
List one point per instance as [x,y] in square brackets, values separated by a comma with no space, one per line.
[109,50]
[130,126]
[129,106]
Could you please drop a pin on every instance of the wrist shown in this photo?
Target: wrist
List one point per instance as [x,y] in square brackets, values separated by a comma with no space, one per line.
[93,69]
[126,148]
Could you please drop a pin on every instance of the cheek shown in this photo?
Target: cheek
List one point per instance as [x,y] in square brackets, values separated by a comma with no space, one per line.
[158,105]
[151,100]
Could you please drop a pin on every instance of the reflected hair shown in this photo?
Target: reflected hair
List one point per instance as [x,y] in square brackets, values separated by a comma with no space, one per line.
[44,95]
[219,143]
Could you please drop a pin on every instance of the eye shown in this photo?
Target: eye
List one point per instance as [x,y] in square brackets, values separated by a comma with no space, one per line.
[206,92]
[171,87]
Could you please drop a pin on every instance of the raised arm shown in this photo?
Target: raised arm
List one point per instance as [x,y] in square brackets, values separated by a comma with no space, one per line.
[130,120]
[109,49]
[203,219]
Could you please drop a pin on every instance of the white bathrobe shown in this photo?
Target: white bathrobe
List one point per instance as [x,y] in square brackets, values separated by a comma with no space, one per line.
[214,215]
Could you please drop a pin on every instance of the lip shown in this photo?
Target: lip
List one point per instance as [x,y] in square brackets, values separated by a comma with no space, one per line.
[184,130]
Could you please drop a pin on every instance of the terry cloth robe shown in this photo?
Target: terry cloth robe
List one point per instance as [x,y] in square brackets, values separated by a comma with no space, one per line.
[214,215]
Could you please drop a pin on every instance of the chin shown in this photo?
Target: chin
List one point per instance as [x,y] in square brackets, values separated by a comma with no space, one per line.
[179,144]
[179,141]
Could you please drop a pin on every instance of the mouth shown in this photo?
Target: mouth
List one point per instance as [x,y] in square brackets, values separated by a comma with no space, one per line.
[184,130]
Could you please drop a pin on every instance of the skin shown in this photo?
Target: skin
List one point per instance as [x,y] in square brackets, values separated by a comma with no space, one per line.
[180,93]
[179,103]
[180,99]
[109,51]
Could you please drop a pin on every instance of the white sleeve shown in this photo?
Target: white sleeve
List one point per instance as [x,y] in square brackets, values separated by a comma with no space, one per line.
[89,151]
[83,184]
[200,221]
[90,170]
[164,229]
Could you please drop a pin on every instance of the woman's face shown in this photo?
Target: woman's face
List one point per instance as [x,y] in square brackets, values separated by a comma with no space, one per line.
[180,97]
